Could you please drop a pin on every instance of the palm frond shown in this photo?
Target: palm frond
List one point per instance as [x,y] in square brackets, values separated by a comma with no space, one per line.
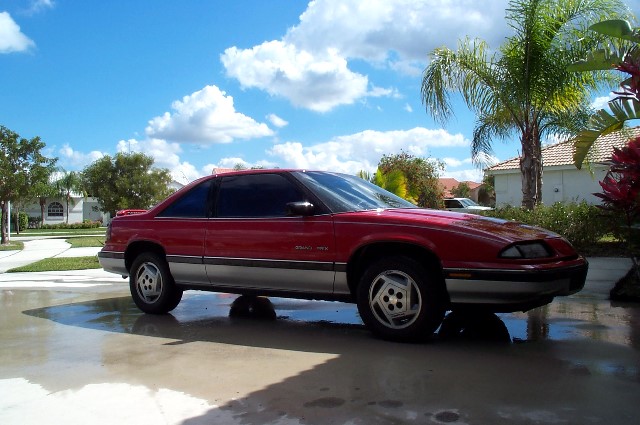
[602,123]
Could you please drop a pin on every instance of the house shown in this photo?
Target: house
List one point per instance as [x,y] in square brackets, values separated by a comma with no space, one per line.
[55,211]
[448,184]
[561,180]
[80,208]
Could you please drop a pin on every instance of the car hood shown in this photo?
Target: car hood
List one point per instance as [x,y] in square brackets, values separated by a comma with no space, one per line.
[470,224]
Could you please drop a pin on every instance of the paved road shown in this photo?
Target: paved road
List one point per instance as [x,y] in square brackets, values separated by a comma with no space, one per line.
[75,350]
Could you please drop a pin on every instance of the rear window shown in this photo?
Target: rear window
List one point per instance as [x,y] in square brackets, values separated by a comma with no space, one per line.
[193,204]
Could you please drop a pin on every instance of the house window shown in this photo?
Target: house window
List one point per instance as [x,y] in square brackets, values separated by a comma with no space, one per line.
[55,209]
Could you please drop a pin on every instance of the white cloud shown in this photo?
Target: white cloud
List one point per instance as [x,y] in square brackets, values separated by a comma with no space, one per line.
[362,151]
[319,81]
[601,102]
[373,29]
[78,160]
[408,107]
[474,175]
[205,116]
[165,155]
[454,162]
[309,65]
[38,6]
[276,121]
[11,38]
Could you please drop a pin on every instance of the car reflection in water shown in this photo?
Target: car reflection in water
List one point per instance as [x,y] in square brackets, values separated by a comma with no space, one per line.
[201,312]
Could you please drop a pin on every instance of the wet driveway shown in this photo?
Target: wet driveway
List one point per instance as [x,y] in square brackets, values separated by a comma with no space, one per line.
[76,353]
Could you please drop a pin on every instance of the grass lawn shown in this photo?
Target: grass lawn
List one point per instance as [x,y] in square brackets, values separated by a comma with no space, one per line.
[56,232]
[12,246]
[59,264]
[86,241]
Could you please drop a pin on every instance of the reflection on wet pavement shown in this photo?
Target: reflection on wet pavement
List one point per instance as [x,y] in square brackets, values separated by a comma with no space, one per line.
[575,361]
[223,317]
[561,320]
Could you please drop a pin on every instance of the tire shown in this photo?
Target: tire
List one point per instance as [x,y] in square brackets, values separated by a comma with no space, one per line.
[152,286]
[399,301]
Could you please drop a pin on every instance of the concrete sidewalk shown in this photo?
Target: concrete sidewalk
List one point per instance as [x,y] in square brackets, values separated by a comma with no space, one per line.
[36,250]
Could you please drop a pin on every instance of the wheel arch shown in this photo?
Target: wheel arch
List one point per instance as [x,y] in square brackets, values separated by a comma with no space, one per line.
[373,252]
[136,248]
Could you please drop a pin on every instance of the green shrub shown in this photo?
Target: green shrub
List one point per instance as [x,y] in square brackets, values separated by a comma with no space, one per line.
[35,222]
[87,224]
[580,223]
[23,220]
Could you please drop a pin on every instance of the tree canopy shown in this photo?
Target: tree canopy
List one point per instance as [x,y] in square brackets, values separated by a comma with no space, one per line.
[126,180]
[67,185]
[524,88]
[22,168]
[421,177]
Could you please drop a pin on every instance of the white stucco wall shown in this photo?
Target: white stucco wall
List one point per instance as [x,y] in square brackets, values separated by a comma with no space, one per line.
[79,211]
[559,184]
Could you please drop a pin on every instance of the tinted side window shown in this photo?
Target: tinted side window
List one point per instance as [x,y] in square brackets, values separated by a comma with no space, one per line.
[259,195]
[193,204]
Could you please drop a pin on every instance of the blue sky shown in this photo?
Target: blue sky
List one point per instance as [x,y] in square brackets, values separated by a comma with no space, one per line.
[202,84]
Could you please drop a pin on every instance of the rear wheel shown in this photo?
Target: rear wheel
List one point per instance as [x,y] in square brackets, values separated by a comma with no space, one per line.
[399,301]
[152,286]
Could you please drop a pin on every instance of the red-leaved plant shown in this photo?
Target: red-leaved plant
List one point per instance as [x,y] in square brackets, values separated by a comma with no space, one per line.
[621,185]
[621,191]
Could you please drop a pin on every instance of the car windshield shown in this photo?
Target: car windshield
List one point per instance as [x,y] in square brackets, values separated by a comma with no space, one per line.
[466,202]
[344,193]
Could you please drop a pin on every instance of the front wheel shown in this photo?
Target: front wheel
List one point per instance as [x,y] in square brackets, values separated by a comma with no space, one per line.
[399,301]
[152,286]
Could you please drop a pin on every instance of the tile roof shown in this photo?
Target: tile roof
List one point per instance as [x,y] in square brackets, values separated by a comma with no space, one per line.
[448,184]
[562,153]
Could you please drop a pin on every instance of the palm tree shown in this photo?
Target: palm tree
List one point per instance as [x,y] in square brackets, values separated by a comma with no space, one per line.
[394,181]
[43,191]
[623,55]
[524,88]
[67,185]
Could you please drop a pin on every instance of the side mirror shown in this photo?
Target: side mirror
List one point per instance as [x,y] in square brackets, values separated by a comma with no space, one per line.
[303,208]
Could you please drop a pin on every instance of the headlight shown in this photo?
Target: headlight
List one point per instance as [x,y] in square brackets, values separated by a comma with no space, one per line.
[526,250]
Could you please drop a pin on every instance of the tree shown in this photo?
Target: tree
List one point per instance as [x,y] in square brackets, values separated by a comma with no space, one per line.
[462,190]
[22,166]
[67,185]
[422,184]
[525,88]
[621,53]
[43,191]
[127,180]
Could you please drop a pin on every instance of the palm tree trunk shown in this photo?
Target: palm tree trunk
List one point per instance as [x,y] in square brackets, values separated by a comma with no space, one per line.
[531,169]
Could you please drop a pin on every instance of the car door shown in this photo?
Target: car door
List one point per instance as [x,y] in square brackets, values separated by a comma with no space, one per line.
[253,242]
[181,229]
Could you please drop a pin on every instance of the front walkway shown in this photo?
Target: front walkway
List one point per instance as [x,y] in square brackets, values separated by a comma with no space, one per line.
[36,250]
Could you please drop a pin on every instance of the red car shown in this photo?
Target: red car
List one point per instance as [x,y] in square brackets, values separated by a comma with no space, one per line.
[329,236]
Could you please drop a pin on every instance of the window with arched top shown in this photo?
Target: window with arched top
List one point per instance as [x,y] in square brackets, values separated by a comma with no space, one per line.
[55,209]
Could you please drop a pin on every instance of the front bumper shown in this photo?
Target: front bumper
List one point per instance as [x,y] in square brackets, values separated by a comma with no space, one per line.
[514,290]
